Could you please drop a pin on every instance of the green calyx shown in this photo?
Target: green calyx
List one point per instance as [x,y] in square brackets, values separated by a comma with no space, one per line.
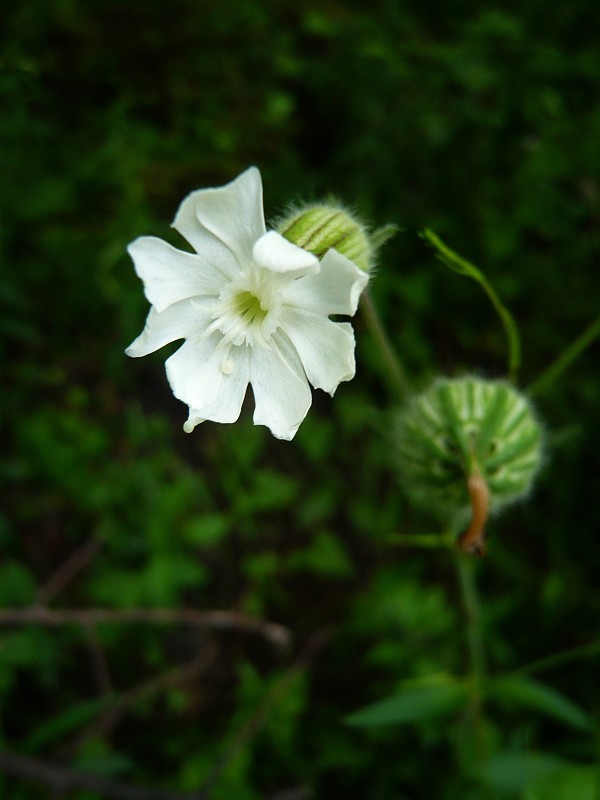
[463,427]
[319,228]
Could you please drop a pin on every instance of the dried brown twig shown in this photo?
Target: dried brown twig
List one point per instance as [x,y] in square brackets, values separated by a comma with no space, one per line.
[313,646]
[62,779]
[277,634]
[68,571]
[184,673]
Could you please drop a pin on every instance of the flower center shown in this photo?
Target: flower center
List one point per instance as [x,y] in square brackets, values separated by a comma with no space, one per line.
[247,311]
[249,308]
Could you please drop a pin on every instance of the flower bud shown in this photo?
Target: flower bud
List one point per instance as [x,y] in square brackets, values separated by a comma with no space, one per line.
[319,228]
[468,435]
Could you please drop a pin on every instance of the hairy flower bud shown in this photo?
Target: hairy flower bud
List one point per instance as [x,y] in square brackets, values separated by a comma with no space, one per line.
[319,228]
[464,431]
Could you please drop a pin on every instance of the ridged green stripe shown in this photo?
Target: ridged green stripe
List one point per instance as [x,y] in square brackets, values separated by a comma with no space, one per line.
[462,425]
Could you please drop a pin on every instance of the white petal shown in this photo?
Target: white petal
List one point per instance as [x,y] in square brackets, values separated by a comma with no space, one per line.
[336,289]
[171,275]
[193,419]
[194,371]
[326,348]
[233,213]
[178,321]
[275,253]
[227,403]
[281,391]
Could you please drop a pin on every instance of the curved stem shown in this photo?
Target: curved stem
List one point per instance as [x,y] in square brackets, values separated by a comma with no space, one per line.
[473,539]
[459,264]
[394,372]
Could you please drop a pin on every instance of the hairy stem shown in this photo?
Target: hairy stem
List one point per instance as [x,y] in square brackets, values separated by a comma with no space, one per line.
[394,372]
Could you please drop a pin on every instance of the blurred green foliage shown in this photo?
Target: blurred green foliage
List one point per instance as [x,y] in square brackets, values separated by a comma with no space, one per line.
[481,121]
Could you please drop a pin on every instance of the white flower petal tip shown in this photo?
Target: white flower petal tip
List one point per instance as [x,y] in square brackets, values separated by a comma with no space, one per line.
[191,423]
[230,215]
[252,308]
[170,275]
[276,254]
[353,275]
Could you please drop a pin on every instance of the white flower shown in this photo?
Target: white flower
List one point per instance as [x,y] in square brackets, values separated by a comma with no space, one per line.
[252,307]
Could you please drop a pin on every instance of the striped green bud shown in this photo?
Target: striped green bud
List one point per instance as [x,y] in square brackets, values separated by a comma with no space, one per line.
[319,228]
[464,428]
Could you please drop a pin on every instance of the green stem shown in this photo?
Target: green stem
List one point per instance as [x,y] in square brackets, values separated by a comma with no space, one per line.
[428,541]
[565,359]
[394,372]
[557,659]
[470,598]
[463,267]
[476,651]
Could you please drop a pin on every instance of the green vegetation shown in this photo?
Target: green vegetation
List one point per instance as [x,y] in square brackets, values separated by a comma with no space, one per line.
[348,663]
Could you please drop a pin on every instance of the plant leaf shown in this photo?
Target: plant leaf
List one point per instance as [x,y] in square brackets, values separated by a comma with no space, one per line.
[55,728]
[576,781]
[540,697]
[513,771]
[412,705]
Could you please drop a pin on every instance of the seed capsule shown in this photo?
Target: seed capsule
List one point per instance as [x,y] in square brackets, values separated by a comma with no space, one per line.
[462,428]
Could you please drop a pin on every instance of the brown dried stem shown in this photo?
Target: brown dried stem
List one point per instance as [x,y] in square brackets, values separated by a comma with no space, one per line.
[277,634]
[312,647]
[62,779]
[472,540]
[67,571]
[184,673]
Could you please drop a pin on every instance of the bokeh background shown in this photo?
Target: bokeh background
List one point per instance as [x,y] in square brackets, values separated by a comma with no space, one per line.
[479,120]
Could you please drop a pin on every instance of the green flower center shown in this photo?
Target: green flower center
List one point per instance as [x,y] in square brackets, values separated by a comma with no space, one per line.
[249,308]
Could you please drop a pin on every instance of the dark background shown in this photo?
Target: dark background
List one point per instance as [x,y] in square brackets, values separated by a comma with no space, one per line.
[479,120]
